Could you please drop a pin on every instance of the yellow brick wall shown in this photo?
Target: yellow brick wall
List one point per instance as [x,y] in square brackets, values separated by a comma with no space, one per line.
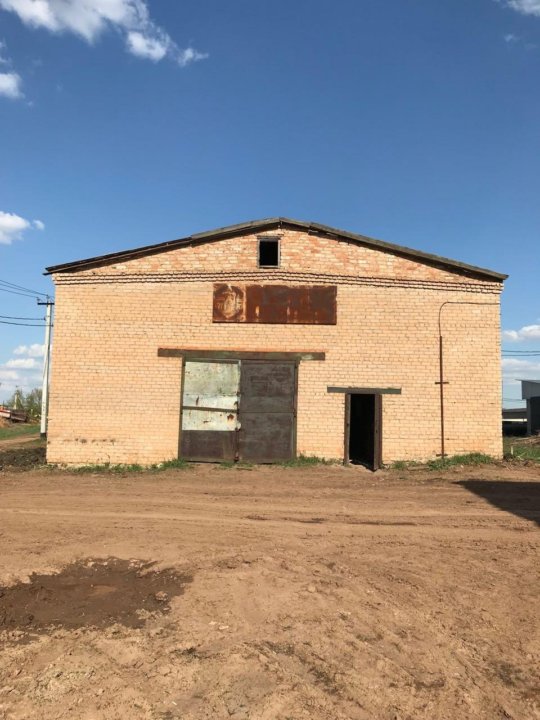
[114,400]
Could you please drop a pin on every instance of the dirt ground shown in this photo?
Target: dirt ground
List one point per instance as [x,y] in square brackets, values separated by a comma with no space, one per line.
[270,593]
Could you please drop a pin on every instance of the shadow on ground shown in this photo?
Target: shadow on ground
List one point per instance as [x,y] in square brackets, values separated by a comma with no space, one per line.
[520,498]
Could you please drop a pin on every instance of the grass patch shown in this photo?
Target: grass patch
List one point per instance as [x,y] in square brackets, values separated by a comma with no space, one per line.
[18,430]
[229,464]
[453,460]
[109,468]
[226,464]
[404,464]
[521,449]
[176,464]
[308,461]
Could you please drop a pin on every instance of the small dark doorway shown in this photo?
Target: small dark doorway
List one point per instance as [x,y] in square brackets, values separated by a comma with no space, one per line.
[363,430]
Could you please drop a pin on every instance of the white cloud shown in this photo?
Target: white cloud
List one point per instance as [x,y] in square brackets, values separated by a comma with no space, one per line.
[91,18]
[8,375]
[10,85]
[527,332]
[10,380]
[517,369]
[189,55]
[13,226]
[22,372]
[525,7]
[24,363]
[147,47]
[33,351]
[510,38]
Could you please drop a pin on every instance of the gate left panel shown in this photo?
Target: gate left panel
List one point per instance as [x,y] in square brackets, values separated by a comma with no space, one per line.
[210,410]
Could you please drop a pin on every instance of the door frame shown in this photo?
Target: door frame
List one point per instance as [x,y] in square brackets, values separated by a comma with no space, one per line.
[377,429]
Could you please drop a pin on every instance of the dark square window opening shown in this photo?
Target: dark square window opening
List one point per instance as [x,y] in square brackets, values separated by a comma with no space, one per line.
[269,252]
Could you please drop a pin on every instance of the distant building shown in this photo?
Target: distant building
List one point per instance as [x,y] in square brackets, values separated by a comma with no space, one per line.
[530,391]
[270,339]
[514,421]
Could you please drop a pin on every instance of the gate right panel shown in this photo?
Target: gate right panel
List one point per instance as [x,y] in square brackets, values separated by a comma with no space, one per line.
[267,411]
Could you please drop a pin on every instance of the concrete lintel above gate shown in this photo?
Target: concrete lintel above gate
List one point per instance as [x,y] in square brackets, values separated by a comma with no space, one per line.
[194,354]
[364,390]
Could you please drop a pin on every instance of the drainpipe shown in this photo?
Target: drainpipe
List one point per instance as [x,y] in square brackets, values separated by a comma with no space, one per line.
[441,387]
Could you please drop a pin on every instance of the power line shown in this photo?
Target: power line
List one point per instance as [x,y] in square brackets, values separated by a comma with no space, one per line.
[520,353]
[14,292]
[21,287]
[11,317]
[7,322]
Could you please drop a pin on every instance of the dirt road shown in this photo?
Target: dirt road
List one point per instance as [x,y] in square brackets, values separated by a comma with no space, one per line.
[327,592]
[12,442]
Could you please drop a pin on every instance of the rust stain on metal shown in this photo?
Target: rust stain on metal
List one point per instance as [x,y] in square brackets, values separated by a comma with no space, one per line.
[277,304]
[229,303]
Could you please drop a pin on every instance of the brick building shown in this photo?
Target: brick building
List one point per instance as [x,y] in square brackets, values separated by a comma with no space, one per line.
[269,339]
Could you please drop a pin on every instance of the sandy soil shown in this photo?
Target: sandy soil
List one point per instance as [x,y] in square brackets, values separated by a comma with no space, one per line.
[327,593]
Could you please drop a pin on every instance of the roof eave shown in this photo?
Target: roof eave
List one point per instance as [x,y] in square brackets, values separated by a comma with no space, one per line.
[265,224]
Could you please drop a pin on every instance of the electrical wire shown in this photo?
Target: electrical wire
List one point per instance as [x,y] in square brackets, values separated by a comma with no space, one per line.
[7,322]
[21,287]
[11,317]
[15,292]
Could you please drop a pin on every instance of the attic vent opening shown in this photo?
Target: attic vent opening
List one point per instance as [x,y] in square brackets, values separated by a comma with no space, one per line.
[269,252]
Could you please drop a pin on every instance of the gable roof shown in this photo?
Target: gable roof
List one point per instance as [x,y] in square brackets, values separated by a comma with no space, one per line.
[277,223]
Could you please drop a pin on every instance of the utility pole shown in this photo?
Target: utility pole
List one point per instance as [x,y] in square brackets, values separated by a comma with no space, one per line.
[46,364]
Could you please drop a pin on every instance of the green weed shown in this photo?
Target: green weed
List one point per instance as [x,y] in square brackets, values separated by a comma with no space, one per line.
[107,468]
[17,430]
[175,464]
[521,449]
[453,460]
[308,461]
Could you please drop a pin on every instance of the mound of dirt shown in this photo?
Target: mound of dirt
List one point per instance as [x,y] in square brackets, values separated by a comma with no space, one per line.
[22,458]
[93,593]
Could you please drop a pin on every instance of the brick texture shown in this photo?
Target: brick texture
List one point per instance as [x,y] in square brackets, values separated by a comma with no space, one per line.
[114,400]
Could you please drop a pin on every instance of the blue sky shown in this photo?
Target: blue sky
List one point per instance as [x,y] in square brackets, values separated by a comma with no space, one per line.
[124,122]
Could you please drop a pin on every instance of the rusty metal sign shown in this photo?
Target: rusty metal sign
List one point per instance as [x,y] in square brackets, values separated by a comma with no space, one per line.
[278,304]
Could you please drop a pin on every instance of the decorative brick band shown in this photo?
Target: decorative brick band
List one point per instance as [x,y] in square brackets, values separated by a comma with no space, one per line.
[239,276]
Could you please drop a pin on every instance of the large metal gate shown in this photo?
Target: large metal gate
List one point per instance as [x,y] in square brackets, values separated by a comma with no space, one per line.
[210,410]
[267,411]
[239,410]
